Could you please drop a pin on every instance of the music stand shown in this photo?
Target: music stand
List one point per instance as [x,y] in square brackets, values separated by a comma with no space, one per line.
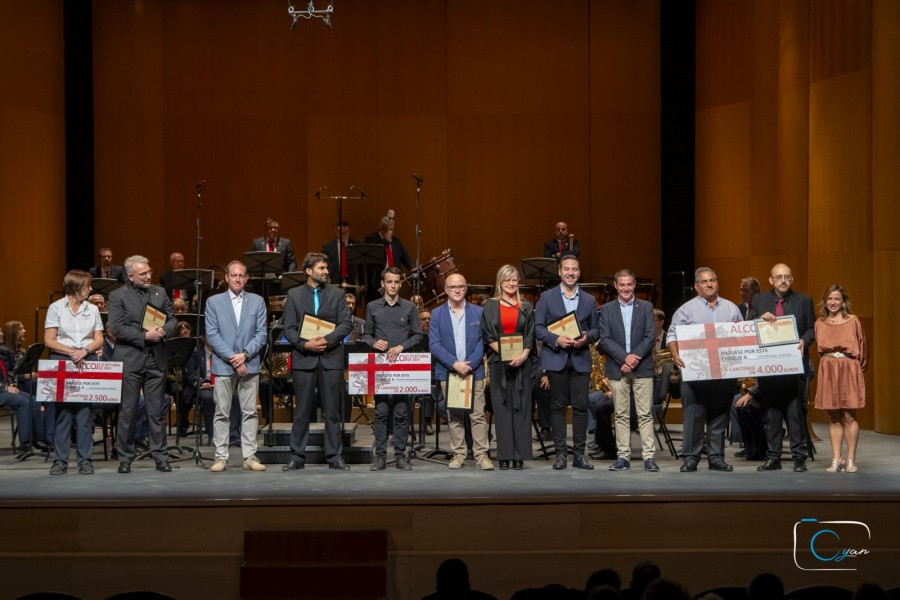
[179,351]
[260,262]
[184,279]
[540,268]
[363,255]
[29,364]
[292,280]
[103,285]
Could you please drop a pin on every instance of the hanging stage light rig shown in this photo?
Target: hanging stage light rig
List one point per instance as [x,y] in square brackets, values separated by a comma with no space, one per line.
[310,12]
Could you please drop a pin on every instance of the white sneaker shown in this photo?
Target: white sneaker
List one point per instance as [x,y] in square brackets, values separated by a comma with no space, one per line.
[218,466]
[484,463]
[252,464]
[458,461]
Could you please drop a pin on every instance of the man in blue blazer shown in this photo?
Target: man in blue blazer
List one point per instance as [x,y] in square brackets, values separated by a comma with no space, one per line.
[627,338]
[317,362]
[236,332]
[567,360]
[457,347]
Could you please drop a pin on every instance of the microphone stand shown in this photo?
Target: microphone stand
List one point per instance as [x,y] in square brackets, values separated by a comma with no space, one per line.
[417,283]
[198,348]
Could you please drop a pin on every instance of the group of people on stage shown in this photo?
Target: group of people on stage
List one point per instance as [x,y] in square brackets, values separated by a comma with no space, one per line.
[517,347]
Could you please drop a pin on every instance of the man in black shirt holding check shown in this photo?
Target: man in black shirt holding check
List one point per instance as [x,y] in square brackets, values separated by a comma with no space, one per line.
[392,327]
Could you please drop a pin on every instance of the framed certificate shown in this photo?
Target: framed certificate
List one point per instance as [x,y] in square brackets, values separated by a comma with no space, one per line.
[153,317]
[511,346]
[461,391]
[782,331]
[567,326]
[313,327]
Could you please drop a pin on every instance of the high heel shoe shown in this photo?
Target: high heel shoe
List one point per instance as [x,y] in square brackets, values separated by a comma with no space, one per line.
[837,465]
[852,467]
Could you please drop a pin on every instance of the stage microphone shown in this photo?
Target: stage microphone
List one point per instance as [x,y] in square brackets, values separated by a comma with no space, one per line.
[362,193]
[318,193]
[418,179]
[199,186]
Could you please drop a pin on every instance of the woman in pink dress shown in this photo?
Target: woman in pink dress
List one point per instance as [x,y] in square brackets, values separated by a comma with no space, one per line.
[841,388]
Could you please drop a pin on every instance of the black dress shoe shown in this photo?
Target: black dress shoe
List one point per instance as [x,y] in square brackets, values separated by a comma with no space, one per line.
[518,465]
[338,464]
[689,466]
[741,453]
[581,462]
[125,466]
[560,463]
[402,463]
[799,465]
[378,464]
[293,465]
[720,465]
[770,465]
[163,466]
[504,465]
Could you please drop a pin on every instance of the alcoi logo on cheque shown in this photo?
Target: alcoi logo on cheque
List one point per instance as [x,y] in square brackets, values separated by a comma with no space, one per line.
[830,545]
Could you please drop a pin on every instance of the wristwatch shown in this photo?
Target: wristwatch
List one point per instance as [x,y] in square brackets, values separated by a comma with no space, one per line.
[246,355]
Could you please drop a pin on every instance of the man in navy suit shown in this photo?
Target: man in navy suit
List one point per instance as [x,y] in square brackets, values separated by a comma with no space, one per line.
[336,251]
[783,396]
[627,337]
[317,362]
[272,242]
[236,332]
[144,357]
[562,244]
[457,347]
[567,360]
[105,269]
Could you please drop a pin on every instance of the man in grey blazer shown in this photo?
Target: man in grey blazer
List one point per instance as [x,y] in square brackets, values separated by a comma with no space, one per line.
[236,332]
[143,352]
[317,361]
[567,360]
[272,242]
[627,337]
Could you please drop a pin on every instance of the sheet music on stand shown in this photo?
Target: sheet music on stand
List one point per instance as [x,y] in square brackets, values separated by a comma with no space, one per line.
[292,280]
[260,262]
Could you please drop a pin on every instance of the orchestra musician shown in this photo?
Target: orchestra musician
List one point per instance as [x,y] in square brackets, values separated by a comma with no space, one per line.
[336,251]
[272,242]
[105,269]
[564,243]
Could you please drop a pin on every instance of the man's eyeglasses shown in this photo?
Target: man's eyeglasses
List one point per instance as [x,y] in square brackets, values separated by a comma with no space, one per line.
[454,288]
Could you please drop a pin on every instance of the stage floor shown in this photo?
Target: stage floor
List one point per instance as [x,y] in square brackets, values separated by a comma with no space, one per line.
[29,484]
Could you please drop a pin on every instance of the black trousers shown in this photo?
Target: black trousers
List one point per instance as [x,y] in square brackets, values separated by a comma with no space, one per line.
[330,386]
[782,399]
[569,387]
[705,403]
[152,380]
[396,408]
[750,422]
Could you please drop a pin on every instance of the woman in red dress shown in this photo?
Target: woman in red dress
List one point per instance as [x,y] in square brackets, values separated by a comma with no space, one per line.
[841,389]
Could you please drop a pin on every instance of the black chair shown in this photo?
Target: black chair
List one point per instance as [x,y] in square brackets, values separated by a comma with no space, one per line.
[727,592]
[819,592]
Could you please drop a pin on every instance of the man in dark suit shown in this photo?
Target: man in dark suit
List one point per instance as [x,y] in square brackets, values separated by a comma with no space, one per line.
[627,337]
[338,269]
[105,269]
[272,242]
[167,279]
[562,244]
[783,396]
[143,352]
[566,359]
[317,360]
[395,255]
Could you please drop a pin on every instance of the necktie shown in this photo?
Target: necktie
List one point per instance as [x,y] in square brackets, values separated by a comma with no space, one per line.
[779,308]
[344,259]
[3,369]
[271,246]
[315,301]
[390,254]
[561,247]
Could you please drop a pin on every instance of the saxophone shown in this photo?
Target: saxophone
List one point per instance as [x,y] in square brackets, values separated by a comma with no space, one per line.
[599,382]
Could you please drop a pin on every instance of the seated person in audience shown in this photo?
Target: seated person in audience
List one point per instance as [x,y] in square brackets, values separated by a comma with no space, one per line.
[453,583]
[105,269]
[642,575]
[765,586]
[12,353]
